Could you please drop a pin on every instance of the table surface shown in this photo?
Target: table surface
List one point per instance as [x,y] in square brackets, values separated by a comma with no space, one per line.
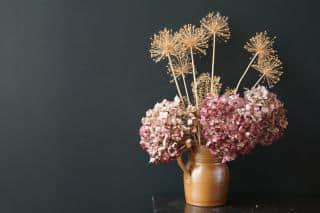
[161,205]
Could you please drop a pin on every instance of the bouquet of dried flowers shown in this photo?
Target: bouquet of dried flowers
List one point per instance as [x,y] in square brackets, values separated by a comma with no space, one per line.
[228,123]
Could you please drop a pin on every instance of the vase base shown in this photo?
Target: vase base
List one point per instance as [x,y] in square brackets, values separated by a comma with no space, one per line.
[203,204]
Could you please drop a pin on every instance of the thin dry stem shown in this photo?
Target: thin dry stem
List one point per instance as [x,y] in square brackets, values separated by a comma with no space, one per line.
[196,91]
[194,79]
[258,81]
[174,77]
[185,88]
[245,72]
[213,58]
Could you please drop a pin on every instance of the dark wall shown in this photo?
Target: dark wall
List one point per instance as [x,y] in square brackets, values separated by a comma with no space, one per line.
[76,77]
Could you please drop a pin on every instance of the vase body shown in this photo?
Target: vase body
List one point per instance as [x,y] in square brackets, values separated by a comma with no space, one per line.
[207,181]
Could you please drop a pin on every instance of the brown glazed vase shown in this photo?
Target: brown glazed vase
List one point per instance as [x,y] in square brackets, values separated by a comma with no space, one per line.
[206,181]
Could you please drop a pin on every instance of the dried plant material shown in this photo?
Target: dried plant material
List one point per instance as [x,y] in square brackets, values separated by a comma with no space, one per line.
[203,86]
[216,25]
[260,44]
[216,85]
[182,66]
[163,45]
[270,69]
[192,37]
[229,91]
[166,128]
[228,124]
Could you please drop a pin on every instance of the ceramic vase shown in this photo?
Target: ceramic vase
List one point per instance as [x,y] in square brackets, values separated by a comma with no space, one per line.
[206,181]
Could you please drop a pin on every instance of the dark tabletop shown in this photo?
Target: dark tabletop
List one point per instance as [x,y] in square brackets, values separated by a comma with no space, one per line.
[162,205]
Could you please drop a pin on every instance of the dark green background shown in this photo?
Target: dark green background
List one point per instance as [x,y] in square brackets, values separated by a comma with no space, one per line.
[76,77]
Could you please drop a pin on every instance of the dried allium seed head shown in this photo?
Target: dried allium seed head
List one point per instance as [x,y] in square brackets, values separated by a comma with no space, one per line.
[260,44]
[204,84]
[270,67]
[181,66]
[163,44]
[217,25]
[193,38]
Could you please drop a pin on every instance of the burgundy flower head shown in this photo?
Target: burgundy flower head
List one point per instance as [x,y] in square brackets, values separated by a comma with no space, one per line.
[232,125]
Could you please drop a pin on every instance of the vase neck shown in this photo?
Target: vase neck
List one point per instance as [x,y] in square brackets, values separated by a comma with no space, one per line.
[203,155]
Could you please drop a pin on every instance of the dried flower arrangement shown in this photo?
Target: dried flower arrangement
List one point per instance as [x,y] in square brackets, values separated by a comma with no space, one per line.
[228,123]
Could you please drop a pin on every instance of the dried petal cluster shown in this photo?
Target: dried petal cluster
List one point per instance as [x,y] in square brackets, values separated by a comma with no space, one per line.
[167,130]
[274,120]
[216,24]
[163,45]
[192,37]
[233,125]
[219,121]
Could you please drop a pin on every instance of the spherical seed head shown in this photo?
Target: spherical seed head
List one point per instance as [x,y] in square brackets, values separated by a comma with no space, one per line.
[216,24]
[192,37]
[163,44]
[270,67]
[181,66]
[260,44]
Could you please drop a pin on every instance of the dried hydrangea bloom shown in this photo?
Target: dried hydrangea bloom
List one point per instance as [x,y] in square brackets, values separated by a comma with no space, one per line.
[260,44]
[225,128]
[271,114]
[216,25]
[192,37]
[167,130]
[163,45]
[270,69]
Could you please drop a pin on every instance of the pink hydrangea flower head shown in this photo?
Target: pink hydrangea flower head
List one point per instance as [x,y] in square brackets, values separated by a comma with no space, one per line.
[225,127]
[272,114]
[167,130]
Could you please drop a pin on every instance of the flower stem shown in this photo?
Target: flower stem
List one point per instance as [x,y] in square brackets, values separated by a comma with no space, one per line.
[213,57]
[245,72]
[194,80]
[175,78]
[258,81]
[185,88]
[195,91]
